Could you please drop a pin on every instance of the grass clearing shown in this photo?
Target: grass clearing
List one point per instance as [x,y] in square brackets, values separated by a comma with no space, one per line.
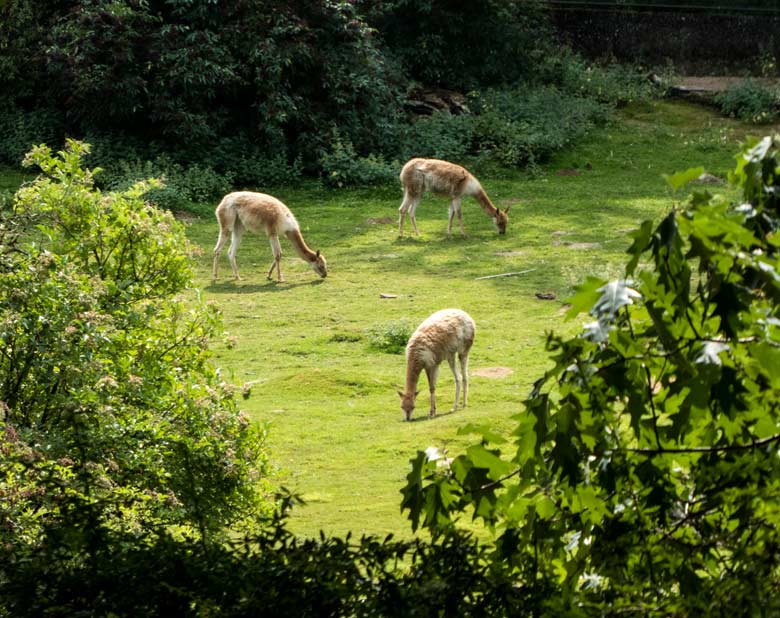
[303,346]
[303,349]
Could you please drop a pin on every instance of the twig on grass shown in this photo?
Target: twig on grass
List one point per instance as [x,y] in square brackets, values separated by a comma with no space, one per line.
[519,272]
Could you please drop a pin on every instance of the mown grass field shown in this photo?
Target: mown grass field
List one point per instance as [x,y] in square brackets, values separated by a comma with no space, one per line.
[302,347]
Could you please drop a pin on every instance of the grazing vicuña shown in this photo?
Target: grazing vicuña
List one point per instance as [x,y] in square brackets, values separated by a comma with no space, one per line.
[442,335]
[258,212]
[451,180]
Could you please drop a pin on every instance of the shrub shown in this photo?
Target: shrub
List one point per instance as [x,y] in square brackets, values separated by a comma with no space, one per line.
[114,421]
[440,136]
[612,84]
[341,166]
[391,337]
[252,165]
[270,573]
[523,126]
[20,130]
[182,187]
[750,100]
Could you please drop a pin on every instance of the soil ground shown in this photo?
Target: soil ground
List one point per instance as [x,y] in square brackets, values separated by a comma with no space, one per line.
[715,84]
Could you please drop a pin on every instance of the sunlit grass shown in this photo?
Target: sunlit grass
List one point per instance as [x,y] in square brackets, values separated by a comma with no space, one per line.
[302,349]
[337,433]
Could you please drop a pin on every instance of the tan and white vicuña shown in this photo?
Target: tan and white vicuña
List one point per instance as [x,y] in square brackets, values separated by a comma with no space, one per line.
[448,179]
[441,336]
[258,212]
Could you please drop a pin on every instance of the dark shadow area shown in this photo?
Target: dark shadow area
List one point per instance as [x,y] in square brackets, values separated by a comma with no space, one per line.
[232,287]
[425,417]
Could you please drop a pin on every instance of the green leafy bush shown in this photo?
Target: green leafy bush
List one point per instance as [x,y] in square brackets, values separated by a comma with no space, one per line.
[269,573]
[440,136]
[181,186]
[522,126]
[342,166]
[114,420]
[391,337]
[21,130]
[614,84]
[251,165]
[464,45]
[750,100]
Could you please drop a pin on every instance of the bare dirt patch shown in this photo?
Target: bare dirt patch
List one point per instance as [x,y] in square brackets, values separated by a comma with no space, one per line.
[380,220]
[714,84]
[576,245]
[495,373]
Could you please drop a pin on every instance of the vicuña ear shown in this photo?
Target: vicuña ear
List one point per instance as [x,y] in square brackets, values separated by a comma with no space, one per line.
[416,393]
[318,253]
[507,209]
[400,394]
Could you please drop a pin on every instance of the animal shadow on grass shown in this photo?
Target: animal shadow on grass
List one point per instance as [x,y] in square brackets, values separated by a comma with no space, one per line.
[232,287]
[425,417]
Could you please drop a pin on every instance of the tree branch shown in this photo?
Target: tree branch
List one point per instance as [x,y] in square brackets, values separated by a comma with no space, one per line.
[652,452]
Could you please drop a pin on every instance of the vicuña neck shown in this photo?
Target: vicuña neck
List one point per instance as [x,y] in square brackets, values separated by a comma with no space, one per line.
[412,376]
[485,203]
[296,238]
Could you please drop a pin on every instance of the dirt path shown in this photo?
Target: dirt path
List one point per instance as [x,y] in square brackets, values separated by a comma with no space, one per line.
[712,85]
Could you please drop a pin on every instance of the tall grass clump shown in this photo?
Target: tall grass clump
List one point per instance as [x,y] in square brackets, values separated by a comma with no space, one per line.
[390,337]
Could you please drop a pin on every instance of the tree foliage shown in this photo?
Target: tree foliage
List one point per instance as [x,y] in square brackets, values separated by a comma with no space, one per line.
[267,76]
[255,92]
[113,418]
[464,44]
[644,475]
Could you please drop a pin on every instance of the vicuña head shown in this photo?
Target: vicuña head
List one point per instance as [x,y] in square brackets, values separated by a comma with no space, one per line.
[501,219]
[257,212]
[319,265]
[448,179]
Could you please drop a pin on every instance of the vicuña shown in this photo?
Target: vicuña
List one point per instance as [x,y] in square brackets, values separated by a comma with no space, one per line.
[258,212]
[448,179]
[442,335]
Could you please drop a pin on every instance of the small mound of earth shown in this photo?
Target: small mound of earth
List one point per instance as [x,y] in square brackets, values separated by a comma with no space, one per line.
[380,220]
[492,372]
[509,253]
[567,172]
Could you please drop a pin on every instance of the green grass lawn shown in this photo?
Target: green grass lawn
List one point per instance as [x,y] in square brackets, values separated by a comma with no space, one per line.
[336,429]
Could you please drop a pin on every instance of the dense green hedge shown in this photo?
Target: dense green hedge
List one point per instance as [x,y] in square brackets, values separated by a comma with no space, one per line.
[268,574]
[251,93]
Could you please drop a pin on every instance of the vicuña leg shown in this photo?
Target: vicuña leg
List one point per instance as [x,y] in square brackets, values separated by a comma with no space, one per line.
[413,216]
[223,236]
[235,241]
[276,249]
[432,373]
[455,209]
[408,206]
[464,371]
[454,367]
